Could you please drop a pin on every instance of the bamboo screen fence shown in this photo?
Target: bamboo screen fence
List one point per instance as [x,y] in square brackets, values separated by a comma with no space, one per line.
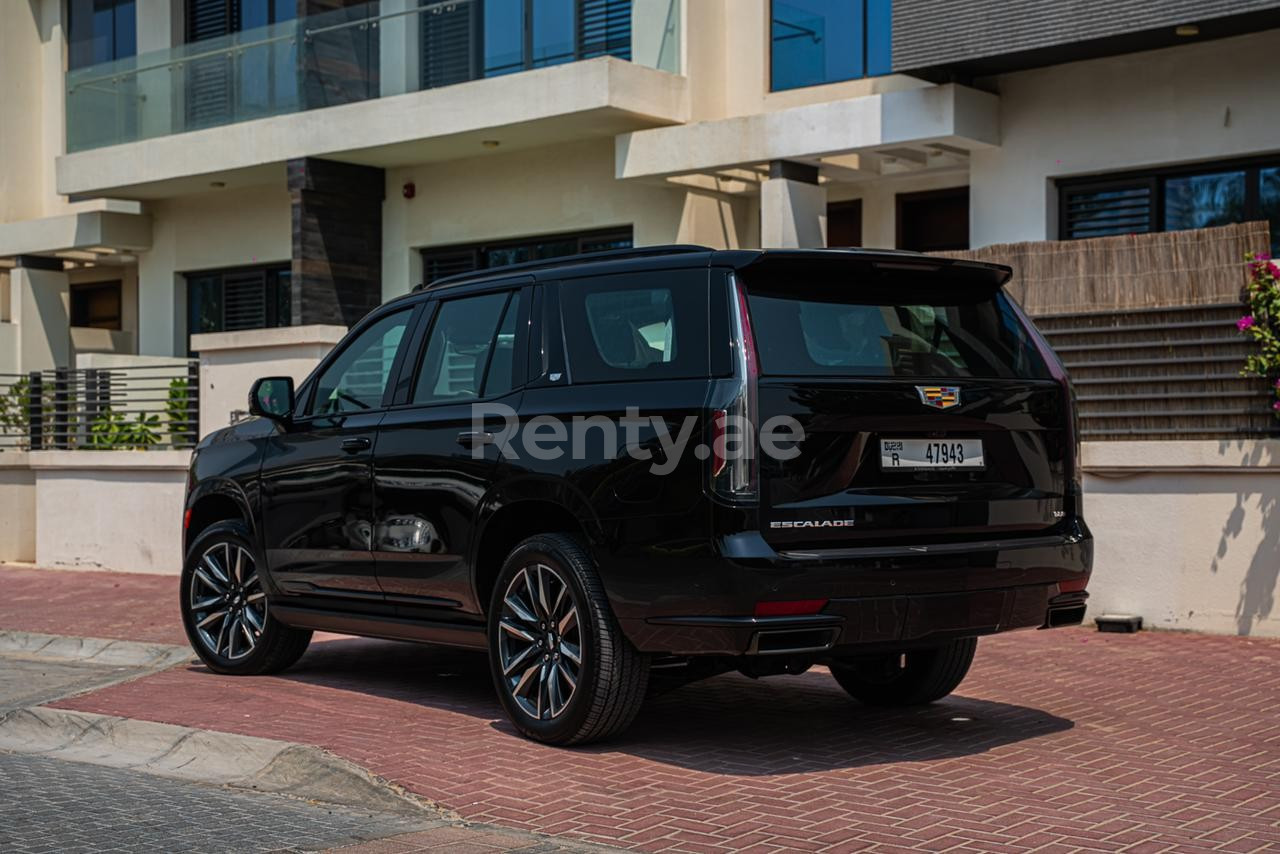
[1145,324]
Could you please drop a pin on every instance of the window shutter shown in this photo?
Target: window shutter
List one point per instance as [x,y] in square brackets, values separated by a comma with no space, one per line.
[604,28]
[449,36]
[1098,210]
[245,299]
[208,80]
[437,265]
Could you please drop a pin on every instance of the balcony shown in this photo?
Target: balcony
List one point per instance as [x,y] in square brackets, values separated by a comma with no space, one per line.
[410,71]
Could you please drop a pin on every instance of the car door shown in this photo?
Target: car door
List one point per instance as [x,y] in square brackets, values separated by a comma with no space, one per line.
[317,473]
[431,471]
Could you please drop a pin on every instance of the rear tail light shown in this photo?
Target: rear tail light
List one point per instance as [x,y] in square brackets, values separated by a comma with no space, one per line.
[735,470]
[1073,491]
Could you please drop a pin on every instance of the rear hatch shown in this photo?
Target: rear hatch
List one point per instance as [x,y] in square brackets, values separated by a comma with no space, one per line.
[930,412]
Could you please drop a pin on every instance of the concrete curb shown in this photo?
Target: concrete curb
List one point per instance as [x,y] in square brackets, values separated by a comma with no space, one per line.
[183,753]
[113,653]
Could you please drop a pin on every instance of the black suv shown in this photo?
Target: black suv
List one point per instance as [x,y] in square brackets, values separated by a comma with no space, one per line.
[565,463]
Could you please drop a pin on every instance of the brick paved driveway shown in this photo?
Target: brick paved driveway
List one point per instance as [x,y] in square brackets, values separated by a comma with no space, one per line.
[1059,740]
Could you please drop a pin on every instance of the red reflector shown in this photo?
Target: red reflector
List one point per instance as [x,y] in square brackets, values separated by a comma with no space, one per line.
[790,609]
[186,519]
[1072,586]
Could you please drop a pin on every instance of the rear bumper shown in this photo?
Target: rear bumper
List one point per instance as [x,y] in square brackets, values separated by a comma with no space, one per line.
[889,598]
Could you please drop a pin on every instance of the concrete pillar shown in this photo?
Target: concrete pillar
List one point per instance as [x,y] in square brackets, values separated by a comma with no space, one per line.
[793,207]
[162,300]
[40,306]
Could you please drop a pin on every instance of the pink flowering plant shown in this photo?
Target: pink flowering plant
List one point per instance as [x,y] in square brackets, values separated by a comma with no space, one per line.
[1261,322]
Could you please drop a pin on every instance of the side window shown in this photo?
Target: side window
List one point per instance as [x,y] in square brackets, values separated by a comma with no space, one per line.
[356,380]
[460,345]
[637,326]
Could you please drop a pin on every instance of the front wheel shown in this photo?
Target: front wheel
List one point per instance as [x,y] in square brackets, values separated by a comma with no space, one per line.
[225,609]
[563,669]
[910,678]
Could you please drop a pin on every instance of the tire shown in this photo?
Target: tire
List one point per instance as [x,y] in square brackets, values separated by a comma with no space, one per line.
[927,675]
[555,700]
[209,579]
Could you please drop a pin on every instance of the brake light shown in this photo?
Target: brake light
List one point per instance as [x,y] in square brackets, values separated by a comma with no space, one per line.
[186,519]
[1073,469]
[794,608]
[1074,585]
[734,471]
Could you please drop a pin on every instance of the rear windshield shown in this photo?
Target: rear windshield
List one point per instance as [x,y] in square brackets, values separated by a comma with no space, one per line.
[829,331]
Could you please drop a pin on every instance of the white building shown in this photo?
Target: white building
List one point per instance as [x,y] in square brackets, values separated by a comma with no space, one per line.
[175,166]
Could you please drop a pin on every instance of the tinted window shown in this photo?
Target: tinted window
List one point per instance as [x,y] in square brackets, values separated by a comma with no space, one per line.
[816,334]
[458,348]
[636,327]
[823,41]
[356,379]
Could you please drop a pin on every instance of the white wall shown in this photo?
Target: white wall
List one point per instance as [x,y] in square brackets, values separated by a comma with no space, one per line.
[1202,101]
[115,510]
[1187,534]
[544,191]
[17,507]
[204,231]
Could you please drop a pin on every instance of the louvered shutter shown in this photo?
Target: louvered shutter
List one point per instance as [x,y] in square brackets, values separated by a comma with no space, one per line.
[209,84]
[437,265]
[1098,210]
[450,33]
[244,297]
[604,28]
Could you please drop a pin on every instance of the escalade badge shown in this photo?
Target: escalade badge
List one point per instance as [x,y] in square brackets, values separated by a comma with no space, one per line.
[939,396]
[814,523]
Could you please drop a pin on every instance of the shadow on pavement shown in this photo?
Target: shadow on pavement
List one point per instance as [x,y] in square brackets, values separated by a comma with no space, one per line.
[726,725]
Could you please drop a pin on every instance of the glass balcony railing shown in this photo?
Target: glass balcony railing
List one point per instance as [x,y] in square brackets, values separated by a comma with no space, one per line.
[373,50]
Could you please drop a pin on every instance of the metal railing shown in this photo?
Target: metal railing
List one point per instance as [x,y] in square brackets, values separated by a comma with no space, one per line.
[346,55]
[126,408]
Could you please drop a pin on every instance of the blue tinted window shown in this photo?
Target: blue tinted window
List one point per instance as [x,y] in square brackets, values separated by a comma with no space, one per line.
[552,32]
[1203,201]
[503,36]
[100,31]
[1269,204]
[822,41]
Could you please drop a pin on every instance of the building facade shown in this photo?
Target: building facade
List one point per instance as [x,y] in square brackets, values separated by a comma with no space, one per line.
[175,167]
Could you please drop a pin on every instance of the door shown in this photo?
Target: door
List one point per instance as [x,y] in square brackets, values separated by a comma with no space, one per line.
[317,474]
[928,415]
[431,470]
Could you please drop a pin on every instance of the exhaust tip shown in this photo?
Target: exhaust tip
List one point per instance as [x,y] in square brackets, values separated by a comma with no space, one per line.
[785,641]
[1066,615]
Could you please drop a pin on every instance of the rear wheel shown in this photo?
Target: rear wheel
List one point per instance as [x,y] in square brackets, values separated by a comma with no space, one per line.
[225,609]
[909,678]
[563,670]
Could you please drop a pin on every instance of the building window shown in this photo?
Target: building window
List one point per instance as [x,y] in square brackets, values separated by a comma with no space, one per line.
[96,305]
[489,38]
[244,298]
[825,41]
[933,221]
[100,31]
[1171,200]
[844,224]
[449,260]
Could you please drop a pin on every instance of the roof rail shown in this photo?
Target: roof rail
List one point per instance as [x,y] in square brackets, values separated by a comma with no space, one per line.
[567,261]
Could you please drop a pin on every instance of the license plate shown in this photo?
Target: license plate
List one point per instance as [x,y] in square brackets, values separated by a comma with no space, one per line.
[917,454]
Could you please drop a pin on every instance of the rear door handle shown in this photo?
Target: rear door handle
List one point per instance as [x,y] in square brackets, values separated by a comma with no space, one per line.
[474,438]
[357,443]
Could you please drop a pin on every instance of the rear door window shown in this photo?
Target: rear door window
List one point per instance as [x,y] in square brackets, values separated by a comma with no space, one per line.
[472,339]
[834,330]
[640,326]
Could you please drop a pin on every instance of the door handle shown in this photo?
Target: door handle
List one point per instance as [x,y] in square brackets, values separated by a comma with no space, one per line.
[474,438]
[357,443]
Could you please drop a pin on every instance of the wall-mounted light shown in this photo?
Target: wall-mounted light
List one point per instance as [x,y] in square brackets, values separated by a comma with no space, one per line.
[490,143]
[1187,30]
[217,185]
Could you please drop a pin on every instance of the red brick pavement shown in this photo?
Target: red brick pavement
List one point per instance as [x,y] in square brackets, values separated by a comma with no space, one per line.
[1058,740]
[119,605]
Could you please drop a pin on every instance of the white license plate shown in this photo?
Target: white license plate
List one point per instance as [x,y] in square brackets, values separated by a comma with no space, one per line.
[917,454]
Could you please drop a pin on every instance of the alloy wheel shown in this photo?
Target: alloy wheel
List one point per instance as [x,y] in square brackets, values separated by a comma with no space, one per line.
[540,641]
[227,602]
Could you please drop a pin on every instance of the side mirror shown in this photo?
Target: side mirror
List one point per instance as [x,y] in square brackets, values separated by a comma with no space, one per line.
[272,397]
